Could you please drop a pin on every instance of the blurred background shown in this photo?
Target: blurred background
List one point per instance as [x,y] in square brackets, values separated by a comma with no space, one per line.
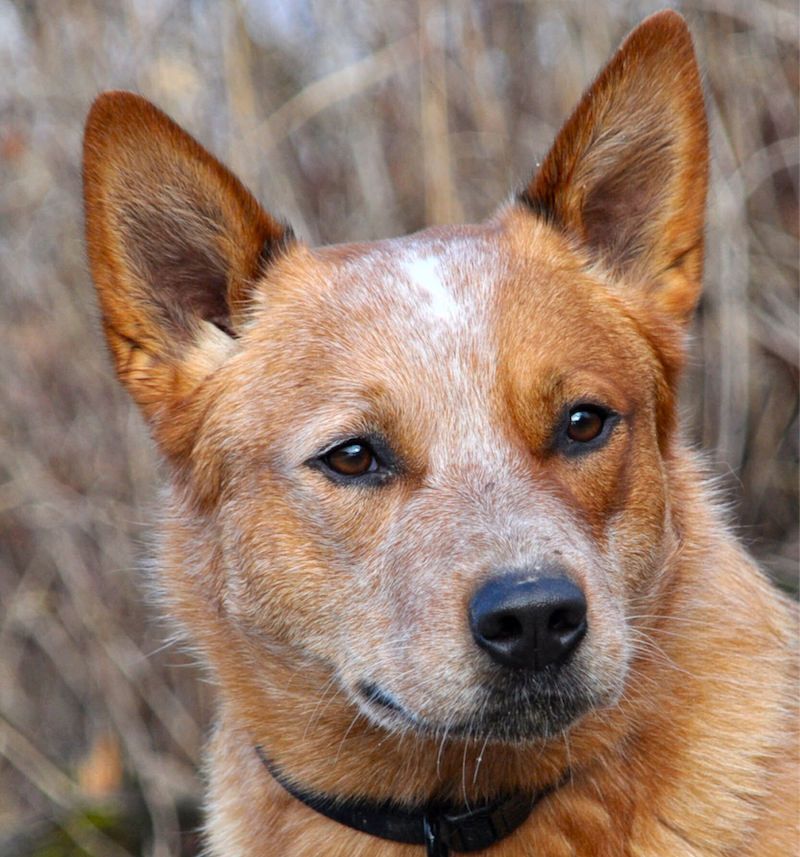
[351,120]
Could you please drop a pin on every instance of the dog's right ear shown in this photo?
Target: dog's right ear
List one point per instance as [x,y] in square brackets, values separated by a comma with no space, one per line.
[627,173]
[176,244]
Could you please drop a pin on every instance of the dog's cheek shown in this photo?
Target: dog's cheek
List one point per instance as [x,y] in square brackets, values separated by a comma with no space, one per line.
[602,660]
[640,536]
[639,542]
[302,564]
[277,583]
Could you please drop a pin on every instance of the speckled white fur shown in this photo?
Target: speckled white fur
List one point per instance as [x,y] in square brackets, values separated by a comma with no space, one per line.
[424,275]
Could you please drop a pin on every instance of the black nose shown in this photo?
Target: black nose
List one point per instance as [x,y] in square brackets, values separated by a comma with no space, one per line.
[528,623]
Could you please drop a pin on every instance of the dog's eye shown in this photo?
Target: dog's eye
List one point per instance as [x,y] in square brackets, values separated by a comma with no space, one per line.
[351,458]
[584,428]
[586,422]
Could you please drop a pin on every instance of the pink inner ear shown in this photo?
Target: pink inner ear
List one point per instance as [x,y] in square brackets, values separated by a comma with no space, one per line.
[185,277]
[626,205]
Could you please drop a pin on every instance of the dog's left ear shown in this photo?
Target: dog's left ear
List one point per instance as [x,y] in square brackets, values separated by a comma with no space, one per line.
[177,246]
[627,173]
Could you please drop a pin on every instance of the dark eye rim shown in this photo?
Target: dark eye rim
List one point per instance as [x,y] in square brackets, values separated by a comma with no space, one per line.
[564,444]
[387,463]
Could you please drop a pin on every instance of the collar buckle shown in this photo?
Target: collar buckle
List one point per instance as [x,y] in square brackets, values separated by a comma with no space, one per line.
[432,831]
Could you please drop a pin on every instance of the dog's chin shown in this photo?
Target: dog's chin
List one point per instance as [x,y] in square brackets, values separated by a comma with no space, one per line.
[519,716]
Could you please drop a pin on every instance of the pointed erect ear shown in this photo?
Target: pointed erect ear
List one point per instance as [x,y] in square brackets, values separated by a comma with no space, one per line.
[175,245]
[627,173]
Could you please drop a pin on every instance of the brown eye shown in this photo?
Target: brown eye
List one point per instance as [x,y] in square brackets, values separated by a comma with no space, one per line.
[585,423]
[352,458]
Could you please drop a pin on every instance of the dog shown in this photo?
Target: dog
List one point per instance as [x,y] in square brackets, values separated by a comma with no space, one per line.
[431,523]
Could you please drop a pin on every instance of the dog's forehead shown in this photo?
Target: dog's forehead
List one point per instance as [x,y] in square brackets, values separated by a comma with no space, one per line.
[475,294]
[386,334]
[451,327]
[436,283]
[448,306]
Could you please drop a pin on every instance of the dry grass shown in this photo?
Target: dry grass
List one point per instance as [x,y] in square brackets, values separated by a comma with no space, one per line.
[350,120]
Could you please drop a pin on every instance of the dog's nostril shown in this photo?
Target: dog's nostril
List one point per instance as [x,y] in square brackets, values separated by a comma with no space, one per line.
[564,620]
[502,627]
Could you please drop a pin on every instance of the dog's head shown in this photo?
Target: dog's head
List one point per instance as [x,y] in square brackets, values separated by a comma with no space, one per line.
[437,465]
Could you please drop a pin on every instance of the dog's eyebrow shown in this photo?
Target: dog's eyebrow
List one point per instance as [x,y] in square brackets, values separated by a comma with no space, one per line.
[325,429]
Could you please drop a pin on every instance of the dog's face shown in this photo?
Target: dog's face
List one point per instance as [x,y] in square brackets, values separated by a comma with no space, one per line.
[402,438]
[436,465]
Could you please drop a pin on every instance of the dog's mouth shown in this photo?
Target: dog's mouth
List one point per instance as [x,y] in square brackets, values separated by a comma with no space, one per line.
[374,695]
[515,715]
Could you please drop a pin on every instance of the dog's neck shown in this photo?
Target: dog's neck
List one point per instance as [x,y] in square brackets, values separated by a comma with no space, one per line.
[269,805]
[438,827]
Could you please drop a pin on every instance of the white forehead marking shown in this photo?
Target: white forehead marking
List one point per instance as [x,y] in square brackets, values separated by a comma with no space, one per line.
[424,274]
[429,306]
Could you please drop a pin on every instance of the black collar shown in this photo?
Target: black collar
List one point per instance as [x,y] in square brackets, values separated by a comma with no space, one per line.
[439,827]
